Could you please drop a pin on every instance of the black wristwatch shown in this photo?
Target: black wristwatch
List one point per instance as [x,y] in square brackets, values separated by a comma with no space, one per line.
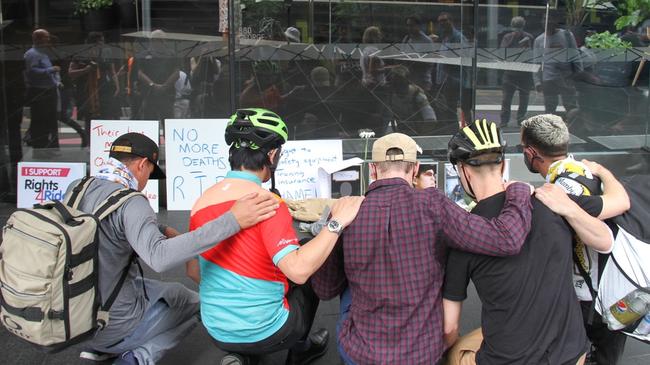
[334,226]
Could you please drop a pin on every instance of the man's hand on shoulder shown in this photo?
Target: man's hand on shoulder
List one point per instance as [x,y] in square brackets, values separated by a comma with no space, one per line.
[556,199]
[254,208]
[345,209]
[595,168]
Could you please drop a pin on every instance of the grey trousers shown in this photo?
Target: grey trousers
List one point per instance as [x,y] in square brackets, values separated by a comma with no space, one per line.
[169,315]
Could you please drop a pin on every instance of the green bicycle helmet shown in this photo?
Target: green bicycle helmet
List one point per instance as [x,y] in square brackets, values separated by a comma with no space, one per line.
[477,139]
[256,128]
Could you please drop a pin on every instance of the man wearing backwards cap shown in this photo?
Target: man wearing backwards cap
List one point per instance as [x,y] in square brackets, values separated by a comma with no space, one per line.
[394,259]
[149,317]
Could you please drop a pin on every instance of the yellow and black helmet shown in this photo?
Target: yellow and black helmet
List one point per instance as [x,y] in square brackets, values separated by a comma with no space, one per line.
[481,137]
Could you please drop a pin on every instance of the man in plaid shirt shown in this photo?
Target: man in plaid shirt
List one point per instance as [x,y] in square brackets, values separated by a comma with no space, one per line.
[395,259]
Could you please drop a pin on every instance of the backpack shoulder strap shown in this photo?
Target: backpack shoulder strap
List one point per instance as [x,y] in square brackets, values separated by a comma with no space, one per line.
[592,184]
[592,291]
[74,198]
[626,276]
[114,201]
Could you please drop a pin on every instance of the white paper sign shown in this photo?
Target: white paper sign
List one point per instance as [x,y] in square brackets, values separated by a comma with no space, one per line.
[196,158]
[297,173]
[102,135]
[39,182]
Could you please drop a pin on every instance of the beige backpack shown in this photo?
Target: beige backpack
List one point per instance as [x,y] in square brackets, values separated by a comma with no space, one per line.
[49,271]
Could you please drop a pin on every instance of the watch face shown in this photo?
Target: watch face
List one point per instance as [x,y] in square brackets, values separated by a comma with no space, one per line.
[334,226]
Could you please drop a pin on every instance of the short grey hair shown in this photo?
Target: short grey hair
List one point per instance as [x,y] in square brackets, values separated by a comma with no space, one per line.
[547,133]
[518,22]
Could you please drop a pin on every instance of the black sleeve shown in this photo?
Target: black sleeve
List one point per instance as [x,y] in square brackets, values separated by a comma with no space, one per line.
[593,205]
[457,275]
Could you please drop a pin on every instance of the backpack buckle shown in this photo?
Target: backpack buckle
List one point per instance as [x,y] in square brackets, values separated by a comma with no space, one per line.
[102,319]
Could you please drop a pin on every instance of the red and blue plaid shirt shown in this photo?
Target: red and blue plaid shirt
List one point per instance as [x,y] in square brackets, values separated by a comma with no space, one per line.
[394,255]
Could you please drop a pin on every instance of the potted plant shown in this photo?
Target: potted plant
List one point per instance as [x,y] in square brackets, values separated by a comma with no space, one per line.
[604,59]
[633,12]
[603,90]
[96,15]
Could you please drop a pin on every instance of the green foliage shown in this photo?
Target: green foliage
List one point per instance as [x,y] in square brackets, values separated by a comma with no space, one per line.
[632,13]
[84,6]
[606,40]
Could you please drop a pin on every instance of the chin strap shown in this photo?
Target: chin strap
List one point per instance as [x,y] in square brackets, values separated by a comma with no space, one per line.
[273,189]
[469,191]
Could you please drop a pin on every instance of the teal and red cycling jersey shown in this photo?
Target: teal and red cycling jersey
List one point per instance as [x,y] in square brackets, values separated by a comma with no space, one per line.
[242,291]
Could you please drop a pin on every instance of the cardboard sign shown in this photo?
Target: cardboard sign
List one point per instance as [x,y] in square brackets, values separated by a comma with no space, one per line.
[197,157]
[102,135]
[39,182]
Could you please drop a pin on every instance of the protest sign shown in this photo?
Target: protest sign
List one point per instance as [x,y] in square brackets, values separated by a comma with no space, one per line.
[297,173]
[102,135]
[196,157]
[39,182]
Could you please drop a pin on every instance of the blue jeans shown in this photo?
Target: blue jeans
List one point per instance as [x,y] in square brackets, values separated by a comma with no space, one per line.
[169,318]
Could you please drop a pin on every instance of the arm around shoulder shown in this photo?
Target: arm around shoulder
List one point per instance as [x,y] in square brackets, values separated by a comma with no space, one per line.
[500,236]
[161,253]
[615,198]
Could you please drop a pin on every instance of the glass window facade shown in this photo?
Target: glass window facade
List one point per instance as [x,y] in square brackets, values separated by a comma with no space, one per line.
[330,69]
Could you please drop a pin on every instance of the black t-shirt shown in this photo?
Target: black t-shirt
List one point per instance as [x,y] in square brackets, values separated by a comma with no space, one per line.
[530,311]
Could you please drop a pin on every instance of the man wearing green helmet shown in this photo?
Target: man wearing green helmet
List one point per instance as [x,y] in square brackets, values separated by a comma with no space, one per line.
[255,294]
[530,314]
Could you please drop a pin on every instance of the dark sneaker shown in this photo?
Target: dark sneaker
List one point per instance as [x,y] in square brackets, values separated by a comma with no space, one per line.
[237,359]
[317,349]
[92,355]
[126,358]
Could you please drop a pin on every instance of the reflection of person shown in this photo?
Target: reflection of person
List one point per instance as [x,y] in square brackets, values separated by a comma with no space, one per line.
[453,82]
[292,35]
[311,109]
[157,74]
[425,177]
[391,259]
[249,302]
[205,72]
[420,71]
[516,80]
[41,80]
[554,78]
[96,83]
[263,88]
[545,140]
[407,101]
[373,67]
[529,310]
[149,317]
[183,94]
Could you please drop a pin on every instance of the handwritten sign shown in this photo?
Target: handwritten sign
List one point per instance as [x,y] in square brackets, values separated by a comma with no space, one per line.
[197,158]
[297,174]
[39,182]
[102,135]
